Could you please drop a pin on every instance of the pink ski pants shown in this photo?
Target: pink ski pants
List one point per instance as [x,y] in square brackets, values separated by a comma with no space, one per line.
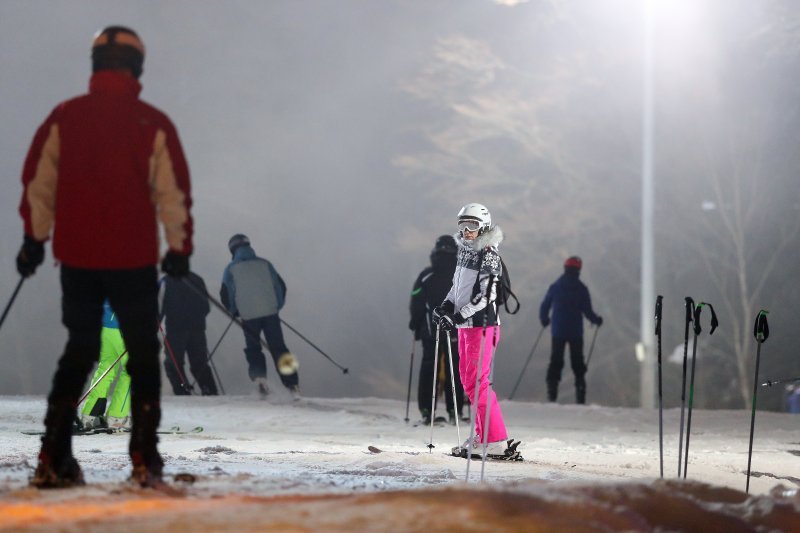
[469,350]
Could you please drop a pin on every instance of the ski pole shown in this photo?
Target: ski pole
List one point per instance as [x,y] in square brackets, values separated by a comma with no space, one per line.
[93,385]
[211,354]
[433,393]
[591,348]
[11,300]
[528,360]
[770,383]
[184,383]
[689,305]
[453,388]
[247,329]
[214,349]
[410,375]
[660,396]
[478,375]
[343,369]
[485,439]
[697,330]
[761,333]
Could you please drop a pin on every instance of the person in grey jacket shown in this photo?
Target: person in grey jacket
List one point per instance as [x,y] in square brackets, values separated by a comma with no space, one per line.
[253,290]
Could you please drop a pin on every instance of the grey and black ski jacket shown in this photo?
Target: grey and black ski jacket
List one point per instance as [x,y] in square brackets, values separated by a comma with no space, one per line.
[478,260]
[251,287]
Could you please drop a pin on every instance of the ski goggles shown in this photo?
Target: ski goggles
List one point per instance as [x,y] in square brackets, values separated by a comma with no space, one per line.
[468,225]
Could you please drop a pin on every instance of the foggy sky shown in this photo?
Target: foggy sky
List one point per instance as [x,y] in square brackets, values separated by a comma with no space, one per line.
[325,132]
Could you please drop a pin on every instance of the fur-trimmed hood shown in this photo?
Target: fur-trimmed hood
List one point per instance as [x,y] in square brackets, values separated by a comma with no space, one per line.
[490,238]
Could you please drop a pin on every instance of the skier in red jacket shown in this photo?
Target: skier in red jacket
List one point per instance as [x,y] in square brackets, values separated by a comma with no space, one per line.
[102,171]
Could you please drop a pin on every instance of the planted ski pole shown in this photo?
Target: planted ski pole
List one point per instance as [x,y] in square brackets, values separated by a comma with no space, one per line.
[410,375]
[591,348]
[689,305]
[697,330]
[239,322]
[478,375]
[660,395]
[340,367]
[453,389]
[92,387]
[761,333]
[214,349]
[433,392]
[11,300]
[525,366]
[485,439]
[211,355]
[184,383]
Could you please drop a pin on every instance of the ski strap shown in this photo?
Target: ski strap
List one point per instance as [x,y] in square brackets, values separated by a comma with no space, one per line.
[761,328]
[714,321]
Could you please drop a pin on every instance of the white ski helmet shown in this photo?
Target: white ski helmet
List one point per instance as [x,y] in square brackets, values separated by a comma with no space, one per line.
[478,213]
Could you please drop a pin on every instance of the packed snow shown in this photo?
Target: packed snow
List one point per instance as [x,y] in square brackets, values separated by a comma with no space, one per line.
[355,464]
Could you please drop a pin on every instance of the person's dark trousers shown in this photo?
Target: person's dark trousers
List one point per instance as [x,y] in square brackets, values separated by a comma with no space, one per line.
[193,344]
[133,294]
[425,387]
[557,365]
[270,326]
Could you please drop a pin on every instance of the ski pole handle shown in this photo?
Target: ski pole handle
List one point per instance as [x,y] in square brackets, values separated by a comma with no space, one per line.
[689,310]
[658,314]
[761,328]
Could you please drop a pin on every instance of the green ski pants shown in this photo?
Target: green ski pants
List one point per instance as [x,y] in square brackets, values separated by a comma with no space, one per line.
[111,346]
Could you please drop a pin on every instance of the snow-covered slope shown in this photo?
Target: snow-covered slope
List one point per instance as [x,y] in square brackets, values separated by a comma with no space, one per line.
[308,462]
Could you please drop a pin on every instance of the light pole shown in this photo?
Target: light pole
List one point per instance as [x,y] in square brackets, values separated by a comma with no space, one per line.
[647,322]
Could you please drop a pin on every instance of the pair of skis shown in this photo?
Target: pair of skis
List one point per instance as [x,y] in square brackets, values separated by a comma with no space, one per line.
[174,430]
[509,454]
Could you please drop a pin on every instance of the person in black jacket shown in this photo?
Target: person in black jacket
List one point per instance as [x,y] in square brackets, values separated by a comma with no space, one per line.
[185,312]
[570,301]
[429,291]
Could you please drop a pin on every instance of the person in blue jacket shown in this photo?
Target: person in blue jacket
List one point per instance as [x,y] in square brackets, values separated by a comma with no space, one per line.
[570,301]
[253,290]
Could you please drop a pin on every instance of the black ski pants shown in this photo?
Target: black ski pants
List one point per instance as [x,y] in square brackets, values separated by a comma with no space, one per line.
[425,390]
[557,365]
[273,333]
[191,343]
[133,294]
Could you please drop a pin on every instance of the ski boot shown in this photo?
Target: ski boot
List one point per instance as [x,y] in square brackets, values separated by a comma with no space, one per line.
[119,424]
[51,475]
[147,462]
[295,392]
[580,394]
[262,386]
[552,391]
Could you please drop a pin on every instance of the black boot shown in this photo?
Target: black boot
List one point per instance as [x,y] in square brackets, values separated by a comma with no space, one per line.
[580,393]
[552,391]
[56,467]
[147,462]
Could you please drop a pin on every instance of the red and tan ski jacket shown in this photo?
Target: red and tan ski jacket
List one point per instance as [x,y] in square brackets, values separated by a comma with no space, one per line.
[102,170]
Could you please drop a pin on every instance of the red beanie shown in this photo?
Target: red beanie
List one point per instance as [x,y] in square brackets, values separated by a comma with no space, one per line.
[573,262]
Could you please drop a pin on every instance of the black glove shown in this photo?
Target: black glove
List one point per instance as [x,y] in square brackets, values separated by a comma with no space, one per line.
[175,264]
[446,308]
[599,321]
[30,256]
[545,322]
[449,321]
